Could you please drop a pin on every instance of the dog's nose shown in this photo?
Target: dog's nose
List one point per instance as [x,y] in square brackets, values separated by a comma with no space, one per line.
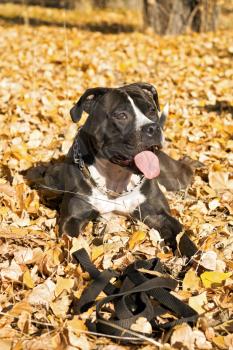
[151,129]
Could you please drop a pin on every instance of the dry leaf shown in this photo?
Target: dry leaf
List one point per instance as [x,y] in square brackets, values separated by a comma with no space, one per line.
[76,323]
[219,341]
[97,251]
[214,278]
[63,284]
[200,340]
[214,204]
[23,255]
[5,344]
[219,180]
[136,238]
[19,307]
[141,325]
[191,281]
[209,260]
[79,341]
[61,305]
[12,272]
[182,335]
[8,190]
[42,294]
[78,243]
[198,302]
[24,322]
[27,279]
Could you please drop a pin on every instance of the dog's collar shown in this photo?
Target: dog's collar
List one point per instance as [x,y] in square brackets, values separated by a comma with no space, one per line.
[77,155]
[78,160]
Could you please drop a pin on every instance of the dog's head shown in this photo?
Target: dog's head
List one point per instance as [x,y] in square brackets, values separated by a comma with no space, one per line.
[124,124]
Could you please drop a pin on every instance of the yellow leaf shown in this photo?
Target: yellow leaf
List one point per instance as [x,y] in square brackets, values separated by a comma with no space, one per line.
[136,238]
[78,243]
[8,190]
[75,324]
[27,279]
[63,284]
[18,346]
[56,255]
[97,251]
[6,344]
[21,152]
[219,180]
[24,321]
[197,302]
[20,307]
[61,305]
[219,341]
[191,281]
[210,278]
[21,191]
[32,202]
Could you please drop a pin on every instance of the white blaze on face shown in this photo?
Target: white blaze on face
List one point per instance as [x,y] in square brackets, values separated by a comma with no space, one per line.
[141,119]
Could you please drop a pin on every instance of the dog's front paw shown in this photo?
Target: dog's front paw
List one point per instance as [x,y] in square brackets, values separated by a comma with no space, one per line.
[169,230]
[70,227]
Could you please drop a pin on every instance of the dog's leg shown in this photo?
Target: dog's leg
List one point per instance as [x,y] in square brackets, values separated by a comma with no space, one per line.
[175,174]
[155,213]
[167,226]
[75,213]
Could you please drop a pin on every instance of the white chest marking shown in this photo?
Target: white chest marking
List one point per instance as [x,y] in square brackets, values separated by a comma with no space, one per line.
[141,119]
[125,204]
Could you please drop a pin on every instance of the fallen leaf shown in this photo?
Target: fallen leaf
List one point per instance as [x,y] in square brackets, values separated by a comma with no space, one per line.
[13,272]
[191,281]
[63,284]
[76,323]
[24,322]
[214,204]
[27,279]
[209,260]
[97,251]
[141,325]
[213,278]
[79,341]
[23,255]
[78,243]
[219,180]
[42,294]
[60,305]
[200,340]
[136,238]
[6,344]
[219,342]
[197,302]
[182,335]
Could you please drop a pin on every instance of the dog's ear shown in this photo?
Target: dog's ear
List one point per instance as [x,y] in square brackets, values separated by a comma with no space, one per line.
[86,102]
[151,89]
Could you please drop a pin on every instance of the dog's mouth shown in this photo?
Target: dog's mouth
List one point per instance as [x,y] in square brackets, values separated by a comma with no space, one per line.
[145,161]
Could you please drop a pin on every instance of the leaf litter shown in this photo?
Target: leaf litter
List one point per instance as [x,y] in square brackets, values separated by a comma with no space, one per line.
[43,71]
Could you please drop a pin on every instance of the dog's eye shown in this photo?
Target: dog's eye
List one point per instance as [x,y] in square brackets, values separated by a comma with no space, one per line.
[120,116]
[152,109]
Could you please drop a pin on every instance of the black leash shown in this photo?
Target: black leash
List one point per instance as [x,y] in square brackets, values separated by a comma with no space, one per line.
[134,294]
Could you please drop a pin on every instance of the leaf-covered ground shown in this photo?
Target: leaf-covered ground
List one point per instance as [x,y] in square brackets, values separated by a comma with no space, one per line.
[43,70]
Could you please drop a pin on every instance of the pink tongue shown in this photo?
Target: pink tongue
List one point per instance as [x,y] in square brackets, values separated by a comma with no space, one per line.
[148,163]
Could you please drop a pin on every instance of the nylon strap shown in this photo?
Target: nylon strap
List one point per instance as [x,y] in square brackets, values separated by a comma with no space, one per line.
[137,295]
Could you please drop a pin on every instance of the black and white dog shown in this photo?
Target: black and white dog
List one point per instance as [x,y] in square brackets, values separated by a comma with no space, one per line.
[115,162]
